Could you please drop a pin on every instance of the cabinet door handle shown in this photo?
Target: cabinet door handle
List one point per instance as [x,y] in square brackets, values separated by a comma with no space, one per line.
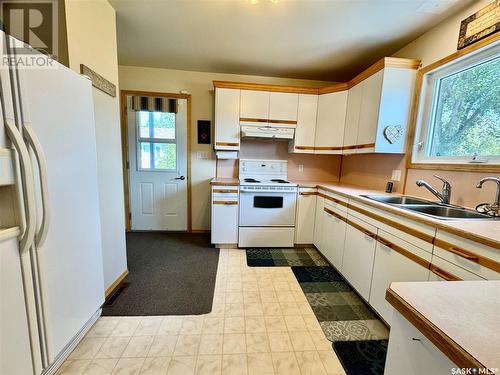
[463,254]
[384,242]
[443,274]
[306,193]
[225,202]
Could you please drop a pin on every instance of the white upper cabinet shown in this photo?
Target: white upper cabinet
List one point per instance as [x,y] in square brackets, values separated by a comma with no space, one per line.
[227,119]
[352,118]
[283,106]
[306,124]
[394,111]
[254,104]
[368,116]
[378,112]
[330,123]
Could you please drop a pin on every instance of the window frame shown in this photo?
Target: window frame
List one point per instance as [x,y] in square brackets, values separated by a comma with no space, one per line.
[423,109]
[152,140]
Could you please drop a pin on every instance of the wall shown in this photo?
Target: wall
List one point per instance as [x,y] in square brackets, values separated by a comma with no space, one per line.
[91,31]
[435,44]
[199,85]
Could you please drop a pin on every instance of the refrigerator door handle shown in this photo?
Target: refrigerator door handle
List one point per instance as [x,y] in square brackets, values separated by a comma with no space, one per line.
[37,148]
[29,187]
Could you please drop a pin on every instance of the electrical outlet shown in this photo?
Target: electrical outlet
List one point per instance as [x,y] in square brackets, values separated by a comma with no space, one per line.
[396,175]
[301,167]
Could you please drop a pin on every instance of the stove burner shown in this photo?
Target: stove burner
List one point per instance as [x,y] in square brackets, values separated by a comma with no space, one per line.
[250,180]
[280,181]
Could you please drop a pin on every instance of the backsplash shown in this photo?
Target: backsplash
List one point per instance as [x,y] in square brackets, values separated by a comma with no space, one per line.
[315,167]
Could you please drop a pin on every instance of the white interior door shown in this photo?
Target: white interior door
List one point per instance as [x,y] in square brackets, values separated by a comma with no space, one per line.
[157,144]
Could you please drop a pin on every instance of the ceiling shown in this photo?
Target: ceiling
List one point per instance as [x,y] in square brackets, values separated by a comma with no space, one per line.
[313,39]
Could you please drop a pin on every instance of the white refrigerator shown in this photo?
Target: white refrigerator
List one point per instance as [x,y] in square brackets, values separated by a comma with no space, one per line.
[51,275]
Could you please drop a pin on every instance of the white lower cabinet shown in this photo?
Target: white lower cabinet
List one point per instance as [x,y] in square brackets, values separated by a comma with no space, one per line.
[391,265]
[304,222]
[318,223]
[333,236]
[442,270]
[225,210]
[411,353]
[359,251]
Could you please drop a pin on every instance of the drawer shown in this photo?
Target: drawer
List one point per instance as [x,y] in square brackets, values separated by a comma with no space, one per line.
[443,270]
[334,200]
[418,234]
[225,189]
[474,257]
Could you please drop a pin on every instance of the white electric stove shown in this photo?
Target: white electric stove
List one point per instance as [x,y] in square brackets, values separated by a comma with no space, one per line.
[267,204]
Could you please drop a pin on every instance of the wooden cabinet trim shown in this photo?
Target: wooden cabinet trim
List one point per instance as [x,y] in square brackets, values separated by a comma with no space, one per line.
[408,254]
[225,191]
[361,229]
[336,215]
[386,62]
[328,148]
[392,223]
[342,203]
[304,148]
[443,274]
[268,121]
[265,87]
[442,341]
[308,193]
[467,254]
[226,144]
[225,202]
[356,147]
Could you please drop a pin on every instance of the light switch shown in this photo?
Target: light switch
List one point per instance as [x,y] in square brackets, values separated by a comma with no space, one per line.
[396,175]
[201,155]
[301,167]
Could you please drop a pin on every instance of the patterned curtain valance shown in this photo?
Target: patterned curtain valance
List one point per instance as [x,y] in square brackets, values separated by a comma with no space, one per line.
[154,104]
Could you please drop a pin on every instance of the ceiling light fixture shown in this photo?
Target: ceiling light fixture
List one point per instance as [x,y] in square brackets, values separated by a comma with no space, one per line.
[254,2]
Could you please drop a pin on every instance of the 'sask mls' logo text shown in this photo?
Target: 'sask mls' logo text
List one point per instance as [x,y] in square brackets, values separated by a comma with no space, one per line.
[473,371]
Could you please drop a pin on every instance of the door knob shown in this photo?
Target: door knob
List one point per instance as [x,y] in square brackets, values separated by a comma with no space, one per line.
[180,178]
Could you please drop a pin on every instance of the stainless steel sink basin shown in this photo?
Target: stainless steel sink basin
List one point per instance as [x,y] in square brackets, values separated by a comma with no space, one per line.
[425,207]
[398,199]
[446,212]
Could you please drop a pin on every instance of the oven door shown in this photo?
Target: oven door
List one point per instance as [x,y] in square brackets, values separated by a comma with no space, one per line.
[267,208]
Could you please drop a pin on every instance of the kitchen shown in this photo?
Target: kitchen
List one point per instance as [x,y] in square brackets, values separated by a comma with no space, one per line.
[330,215]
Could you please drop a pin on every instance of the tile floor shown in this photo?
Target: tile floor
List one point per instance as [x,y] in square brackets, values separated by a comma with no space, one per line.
[261,323]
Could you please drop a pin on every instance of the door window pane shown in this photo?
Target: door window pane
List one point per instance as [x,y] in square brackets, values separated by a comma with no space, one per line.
[143,124]
[165,156]
[164,125]
[466,117]
[145,155]
[162,156]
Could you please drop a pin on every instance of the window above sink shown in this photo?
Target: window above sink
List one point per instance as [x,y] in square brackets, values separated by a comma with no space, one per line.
[457,117]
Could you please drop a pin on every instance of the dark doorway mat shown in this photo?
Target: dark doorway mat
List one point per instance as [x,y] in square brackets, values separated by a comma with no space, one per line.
[362,357]
[169,274]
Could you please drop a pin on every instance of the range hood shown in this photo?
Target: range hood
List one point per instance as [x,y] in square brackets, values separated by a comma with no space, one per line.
[268,131]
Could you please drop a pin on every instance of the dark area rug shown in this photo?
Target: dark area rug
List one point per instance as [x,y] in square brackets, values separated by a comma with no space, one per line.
[362,357]
[341,313]
[265,257]
[169,274]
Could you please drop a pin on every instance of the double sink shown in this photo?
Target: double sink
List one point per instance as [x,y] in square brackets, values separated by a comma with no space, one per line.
[433,209]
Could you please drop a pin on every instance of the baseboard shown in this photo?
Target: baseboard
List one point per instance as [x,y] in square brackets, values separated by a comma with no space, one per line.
[116,283]
[199,231]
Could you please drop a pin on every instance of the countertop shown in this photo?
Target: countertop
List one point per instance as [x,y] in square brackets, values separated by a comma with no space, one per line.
[461,318]
[486,232]
[483,231]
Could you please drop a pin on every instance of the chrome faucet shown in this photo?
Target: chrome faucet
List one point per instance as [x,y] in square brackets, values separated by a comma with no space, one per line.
[493,208]
[445,194]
